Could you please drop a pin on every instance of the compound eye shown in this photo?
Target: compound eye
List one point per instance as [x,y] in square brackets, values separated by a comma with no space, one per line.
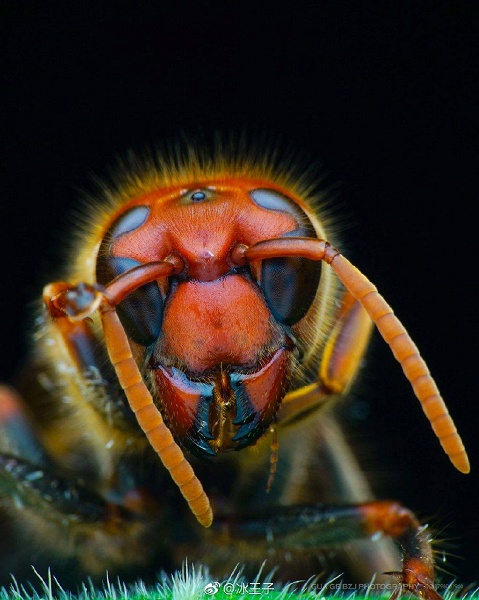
[289,284]
[141,313]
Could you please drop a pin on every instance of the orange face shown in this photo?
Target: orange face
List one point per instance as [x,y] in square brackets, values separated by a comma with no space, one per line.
[218,339]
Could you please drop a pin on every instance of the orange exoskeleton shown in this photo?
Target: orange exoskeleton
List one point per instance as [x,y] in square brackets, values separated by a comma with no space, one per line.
[201,311]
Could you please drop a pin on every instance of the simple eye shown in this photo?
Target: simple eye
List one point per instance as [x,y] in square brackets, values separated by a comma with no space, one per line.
[289,284]
[276,201]
[141,312]
[198,196]
[129,221]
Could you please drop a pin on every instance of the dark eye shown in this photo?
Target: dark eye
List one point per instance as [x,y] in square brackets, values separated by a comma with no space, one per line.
[289,284]
[141,312]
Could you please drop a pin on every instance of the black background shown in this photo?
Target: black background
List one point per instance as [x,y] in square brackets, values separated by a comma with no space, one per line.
[382,93]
